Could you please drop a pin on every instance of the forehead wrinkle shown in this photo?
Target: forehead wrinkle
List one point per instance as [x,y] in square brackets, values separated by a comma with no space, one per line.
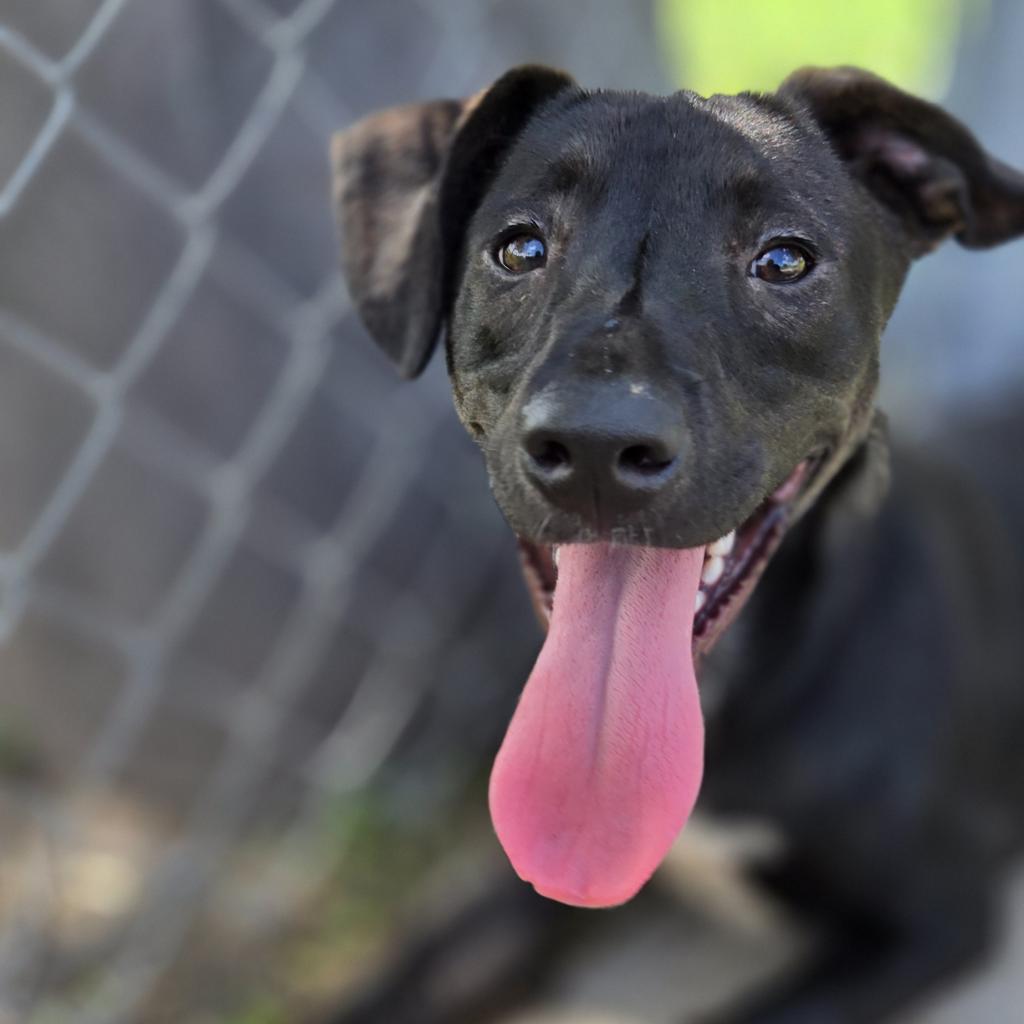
[568,169]
[763,190]
[763,199]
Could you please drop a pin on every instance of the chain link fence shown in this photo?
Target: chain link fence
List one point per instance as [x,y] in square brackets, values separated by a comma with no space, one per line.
[242,572]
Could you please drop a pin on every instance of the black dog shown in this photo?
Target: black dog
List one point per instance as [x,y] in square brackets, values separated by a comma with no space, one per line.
[663,320]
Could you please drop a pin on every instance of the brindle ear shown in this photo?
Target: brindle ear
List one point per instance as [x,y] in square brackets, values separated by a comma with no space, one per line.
[918,160]
[406,183]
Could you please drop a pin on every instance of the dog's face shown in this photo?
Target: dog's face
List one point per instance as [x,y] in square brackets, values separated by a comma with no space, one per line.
[663,313]
[664,309]
[663,320]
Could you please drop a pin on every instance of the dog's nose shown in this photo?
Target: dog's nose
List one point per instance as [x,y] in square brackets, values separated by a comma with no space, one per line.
[606,456]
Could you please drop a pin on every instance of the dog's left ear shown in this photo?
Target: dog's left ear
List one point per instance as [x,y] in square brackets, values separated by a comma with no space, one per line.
[919,161]
[406,183]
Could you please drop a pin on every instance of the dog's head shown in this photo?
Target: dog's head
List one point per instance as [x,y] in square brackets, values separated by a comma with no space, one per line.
[662,320]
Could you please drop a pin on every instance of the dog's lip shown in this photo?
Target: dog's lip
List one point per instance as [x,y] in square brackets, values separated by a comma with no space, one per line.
[755,541]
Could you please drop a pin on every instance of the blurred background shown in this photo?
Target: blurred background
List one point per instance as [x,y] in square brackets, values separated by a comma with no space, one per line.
[261,628]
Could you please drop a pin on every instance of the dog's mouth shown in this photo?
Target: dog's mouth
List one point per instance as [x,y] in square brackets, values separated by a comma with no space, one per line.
[731,566]
[603,759]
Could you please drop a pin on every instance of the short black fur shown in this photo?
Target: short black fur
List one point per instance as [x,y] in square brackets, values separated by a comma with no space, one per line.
[871,700]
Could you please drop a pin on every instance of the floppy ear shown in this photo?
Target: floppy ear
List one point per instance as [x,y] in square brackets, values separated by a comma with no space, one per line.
[918,160]
[406,183]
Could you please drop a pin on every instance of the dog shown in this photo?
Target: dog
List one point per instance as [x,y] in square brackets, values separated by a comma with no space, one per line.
[662,319]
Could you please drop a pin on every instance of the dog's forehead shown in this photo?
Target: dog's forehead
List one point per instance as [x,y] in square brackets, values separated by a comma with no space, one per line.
[602,136]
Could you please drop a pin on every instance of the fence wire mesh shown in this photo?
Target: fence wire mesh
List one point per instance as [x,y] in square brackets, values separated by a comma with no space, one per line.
[241,571]
[221,581]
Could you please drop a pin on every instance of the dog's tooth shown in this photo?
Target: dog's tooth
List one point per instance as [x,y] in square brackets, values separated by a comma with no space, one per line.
[723,545]
[554,555]
[713,569]
[699,600]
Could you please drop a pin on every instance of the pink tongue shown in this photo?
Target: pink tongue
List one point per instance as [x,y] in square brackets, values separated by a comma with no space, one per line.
[601,765]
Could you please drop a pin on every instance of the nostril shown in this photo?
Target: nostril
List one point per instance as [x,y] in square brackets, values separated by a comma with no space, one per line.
[552,457]
[644,460]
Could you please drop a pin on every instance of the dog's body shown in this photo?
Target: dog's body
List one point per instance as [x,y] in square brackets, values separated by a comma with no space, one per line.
[876,680]
[659,312]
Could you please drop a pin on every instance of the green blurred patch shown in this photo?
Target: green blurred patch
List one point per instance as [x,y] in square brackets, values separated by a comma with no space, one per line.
[731,45]
[383,856]
[262,1011]
[21,760]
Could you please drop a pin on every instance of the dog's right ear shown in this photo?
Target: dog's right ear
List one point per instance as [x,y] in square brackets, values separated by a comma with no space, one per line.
[406,183]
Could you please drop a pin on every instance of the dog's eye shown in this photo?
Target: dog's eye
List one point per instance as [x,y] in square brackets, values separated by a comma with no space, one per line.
[781,264]
[522,253]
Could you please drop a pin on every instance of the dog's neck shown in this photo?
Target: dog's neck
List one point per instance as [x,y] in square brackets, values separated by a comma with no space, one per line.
[765,662]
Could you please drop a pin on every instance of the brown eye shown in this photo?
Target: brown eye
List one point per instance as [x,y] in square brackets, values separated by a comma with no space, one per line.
[523,253]
[781,264]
